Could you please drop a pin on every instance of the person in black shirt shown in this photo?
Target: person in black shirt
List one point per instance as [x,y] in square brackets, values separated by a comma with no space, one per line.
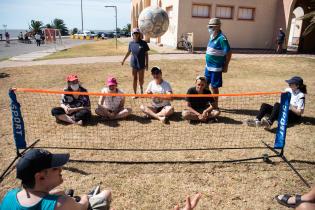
[74,109]
[200,108]
[280,41]
[139,61]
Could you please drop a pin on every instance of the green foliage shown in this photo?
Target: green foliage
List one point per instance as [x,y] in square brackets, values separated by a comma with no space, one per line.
[74,31]
[59,24]
[48,25]
[311,27]
[36,26]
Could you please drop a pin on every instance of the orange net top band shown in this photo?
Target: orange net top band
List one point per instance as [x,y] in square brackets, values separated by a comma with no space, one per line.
[43,91]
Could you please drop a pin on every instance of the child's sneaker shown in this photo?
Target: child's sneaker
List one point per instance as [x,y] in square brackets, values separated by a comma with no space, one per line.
[266,123]
[253,123]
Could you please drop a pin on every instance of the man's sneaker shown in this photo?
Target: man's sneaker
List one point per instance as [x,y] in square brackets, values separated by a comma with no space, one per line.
[253,123]
[266,123]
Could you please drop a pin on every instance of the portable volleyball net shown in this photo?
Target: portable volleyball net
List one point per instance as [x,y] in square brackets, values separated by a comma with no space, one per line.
[138,139]
[32,120]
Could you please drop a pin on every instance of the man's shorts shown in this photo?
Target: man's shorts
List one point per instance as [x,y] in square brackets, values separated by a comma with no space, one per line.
[214,78]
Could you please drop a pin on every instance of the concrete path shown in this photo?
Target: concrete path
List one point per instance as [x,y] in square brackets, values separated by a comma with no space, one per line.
[27,52]
[111,59]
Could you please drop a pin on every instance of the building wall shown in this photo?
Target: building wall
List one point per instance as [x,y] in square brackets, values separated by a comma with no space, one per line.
[258,33]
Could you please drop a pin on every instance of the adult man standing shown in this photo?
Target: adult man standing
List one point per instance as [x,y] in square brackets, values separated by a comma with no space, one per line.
[218,56]
[280,41]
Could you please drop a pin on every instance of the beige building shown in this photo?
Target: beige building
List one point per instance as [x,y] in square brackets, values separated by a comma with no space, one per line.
[249,24]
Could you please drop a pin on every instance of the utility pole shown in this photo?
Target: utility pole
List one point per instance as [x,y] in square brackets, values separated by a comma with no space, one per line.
[81,17]
[116,21]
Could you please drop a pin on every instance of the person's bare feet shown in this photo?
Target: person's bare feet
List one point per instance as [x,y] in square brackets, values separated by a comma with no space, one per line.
[190,204]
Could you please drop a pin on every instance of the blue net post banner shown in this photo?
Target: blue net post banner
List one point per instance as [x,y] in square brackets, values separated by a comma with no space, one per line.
[17,122]
[282,121]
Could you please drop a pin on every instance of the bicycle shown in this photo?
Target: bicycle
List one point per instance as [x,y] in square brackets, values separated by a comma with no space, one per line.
[184,43]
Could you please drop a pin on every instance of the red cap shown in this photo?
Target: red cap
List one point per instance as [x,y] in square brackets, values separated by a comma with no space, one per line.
[72,77]
[111,81]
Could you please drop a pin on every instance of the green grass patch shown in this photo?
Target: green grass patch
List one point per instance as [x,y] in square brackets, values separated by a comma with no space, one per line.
[98,48]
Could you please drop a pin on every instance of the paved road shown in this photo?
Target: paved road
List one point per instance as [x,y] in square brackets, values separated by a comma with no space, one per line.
[15,48]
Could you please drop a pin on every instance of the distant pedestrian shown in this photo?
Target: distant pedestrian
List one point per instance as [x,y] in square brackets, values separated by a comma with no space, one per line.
[1,37]
[7,37]
[280,41]
[38,39]
[139,58]
[21,36]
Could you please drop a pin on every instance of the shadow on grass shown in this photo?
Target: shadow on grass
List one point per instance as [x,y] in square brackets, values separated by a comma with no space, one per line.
[4,75]
[75,170]
[241,111]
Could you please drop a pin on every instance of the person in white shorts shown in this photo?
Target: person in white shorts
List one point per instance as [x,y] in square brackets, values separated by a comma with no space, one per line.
[161,107]
[112,107]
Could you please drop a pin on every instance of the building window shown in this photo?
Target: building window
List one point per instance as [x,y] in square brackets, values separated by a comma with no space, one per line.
[224,12]
[201,10]
[169,11]
[245,13]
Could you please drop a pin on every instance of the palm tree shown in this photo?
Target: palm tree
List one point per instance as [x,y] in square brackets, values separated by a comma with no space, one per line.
[59,24]
[48,25]
[36,26]
[311,26]
[74,31]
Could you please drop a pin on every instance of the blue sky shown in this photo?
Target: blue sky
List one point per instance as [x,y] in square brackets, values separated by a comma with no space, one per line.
[17,14]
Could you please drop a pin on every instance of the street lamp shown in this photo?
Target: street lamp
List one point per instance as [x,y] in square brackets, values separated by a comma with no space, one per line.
[116,21]
[81,17]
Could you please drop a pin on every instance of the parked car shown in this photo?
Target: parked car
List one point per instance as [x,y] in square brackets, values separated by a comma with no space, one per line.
[101,35]
[118,34]
[85,34]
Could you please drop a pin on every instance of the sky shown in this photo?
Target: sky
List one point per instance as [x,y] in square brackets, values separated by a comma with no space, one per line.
[17,14]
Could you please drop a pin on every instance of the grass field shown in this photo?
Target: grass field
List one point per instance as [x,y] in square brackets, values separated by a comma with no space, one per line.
[160,186]
[97,48]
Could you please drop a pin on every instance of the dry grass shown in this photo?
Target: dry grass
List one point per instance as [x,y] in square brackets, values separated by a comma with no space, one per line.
[98,48]
[160,186]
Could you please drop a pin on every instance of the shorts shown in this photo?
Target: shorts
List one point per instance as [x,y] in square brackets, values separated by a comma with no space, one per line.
[214,78]
[158,109]
[83,115]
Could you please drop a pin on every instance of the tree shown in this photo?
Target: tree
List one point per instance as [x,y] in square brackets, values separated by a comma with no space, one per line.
[48,25]
[59,24]
[127,28]
[311,27]
[74,31]
[36,26]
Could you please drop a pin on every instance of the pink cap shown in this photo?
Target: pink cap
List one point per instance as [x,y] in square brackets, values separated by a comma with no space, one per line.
[111,81]
[72,77]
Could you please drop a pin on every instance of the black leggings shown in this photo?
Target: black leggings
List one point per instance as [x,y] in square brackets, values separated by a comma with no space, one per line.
[83,115]
[274,111]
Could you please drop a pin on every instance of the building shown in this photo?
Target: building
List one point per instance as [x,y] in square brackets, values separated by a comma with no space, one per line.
[248,24]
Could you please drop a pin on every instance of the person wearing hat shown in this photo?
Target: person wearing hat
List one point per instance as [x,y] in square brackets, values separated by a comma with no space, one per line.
[297,104]
[218,56]
[280,41]
[161,107]
[40,174]
[139,61]
[200,108]
[74,108]
[112,107]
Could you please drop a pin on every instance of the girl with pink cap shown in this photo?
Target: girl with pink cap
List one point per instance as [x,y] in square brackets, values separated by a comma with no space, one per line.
[112,107]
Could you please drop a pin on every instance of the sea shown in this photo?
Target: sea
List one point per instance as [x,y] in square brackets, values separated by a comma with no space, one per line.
[14,33]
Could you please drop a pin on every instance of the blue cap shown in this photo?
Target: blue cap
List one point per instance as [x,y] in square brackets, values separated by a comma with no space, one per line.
[295,80]
[36,160]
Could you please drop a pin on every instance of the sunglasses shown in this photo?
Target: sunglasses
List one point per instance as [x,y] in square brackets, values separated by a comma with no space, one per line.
[210,27]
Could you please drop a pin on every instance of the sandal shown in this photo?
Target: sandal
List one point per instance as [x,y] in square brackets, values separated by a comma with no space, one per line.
[298,200]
